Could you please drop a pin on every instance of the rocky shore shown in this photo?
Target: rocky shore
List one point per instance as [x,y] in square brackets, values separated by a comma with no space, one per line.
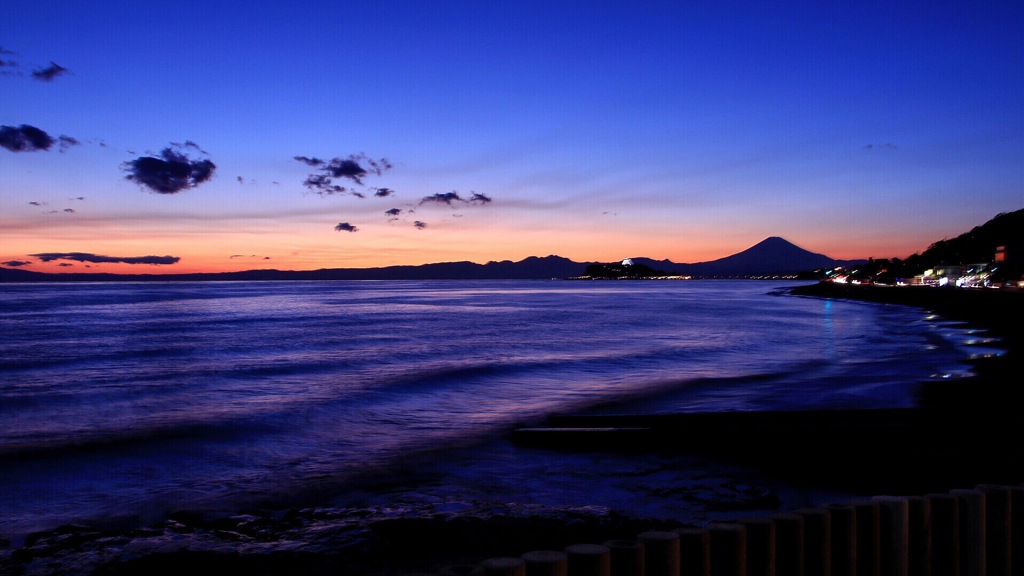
[960,436]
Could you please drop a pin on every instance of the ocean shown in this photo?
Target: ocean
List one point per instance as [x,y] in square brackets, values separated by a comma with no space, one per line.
[123,402]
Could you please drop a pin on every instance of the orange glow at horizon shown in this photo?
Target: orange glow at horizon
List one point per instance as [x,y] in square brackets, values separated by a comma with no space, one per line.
[381,246]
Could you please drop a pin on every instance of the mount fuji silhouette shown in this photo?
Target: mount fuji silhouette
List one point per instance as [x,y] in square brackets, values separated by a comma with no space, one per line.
[772,256]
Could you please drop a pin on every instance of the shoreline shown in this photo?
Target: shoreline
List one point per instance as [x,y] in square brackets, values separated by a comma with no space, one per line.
[959,445]
[994,313]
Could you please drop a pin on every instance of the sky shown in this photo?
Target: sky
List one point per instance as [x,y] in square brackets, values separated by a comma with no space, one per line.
[173,137]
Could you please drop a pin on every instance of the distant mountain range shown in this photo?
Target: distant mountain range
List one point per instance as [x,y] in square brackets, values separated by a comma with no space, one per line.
[770,257]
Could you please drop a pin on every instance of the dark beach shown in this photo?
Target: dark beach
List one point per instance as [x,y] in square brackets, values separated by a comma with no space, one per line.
[960,436]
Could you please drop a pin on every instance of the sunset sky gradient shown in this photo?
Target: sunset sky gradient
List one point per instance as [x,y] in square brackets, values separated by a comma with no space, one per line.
[591,130]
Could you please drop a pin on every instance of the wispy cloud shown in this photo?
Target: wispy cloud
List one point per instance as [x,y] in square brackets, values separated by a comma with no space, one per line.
[382,192]
[309,161]
[16,263]
[7,63]
[172,172]
[346,227]
[477,198]
[50,72]
[452,198]
[100,259]
[442,198]
[65,142]
[419,225]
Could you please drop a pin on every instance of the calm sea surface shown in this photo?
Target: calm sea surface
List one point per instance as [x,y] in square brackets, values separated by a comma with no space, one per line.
[133,400]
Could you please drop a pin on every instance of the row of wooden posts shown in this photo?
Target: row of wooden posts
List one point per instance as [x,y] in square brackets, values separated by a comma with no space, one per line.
[967,532]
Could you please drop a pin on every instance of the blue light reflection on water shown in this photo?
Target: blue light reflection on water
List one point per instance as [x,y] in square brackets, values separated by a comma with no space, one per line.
[153,396]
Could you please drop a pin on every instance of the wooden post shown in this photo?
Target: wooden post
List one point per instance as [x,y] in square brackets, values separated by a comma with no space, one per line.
[728,550]
[760,546]
[843,521]
[998,529]
[919,537]
[546,563]
[945,549]
[789,544]
[972,531]
[504,567]
[817,540]
[627,557]
[894,535]
[589,560]
[661,553]
[694,551]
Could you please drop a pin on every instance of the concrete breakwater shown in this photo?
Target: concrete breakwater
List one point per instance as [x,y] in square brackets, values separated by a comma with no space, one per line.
[962,532]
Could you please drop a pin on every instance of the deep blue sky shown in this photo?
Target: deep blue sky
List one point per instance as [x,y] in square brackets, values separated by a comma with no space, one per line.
[598,130]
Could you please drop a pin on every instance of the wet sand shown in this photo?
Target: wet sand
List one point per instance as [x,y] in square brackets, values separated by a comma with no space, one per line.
[962,435]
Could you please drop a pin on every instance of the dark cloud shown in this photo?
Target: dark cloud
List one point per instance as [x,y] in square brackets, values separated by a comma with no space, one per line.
[452,198]
[50,72]
[354,168]
[98,259]
[24,138]
[345,227]
[34,203]
[346,168]
[309,161]
[442,198]
[420,225]
[477,198]
[323,185]
[172,172]
[382,192]
[69,210]
[233,256]
[393,212]
[16,263]
[78,198]
[7,52]
[65,265]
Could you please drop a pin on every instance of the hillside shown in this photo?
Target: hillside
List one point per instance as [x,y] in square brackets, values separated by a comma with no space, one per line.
[979,244]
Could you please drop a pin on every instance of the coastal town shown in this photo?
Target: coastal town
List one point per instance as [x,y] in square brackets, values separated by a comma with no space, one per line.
[997,273]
